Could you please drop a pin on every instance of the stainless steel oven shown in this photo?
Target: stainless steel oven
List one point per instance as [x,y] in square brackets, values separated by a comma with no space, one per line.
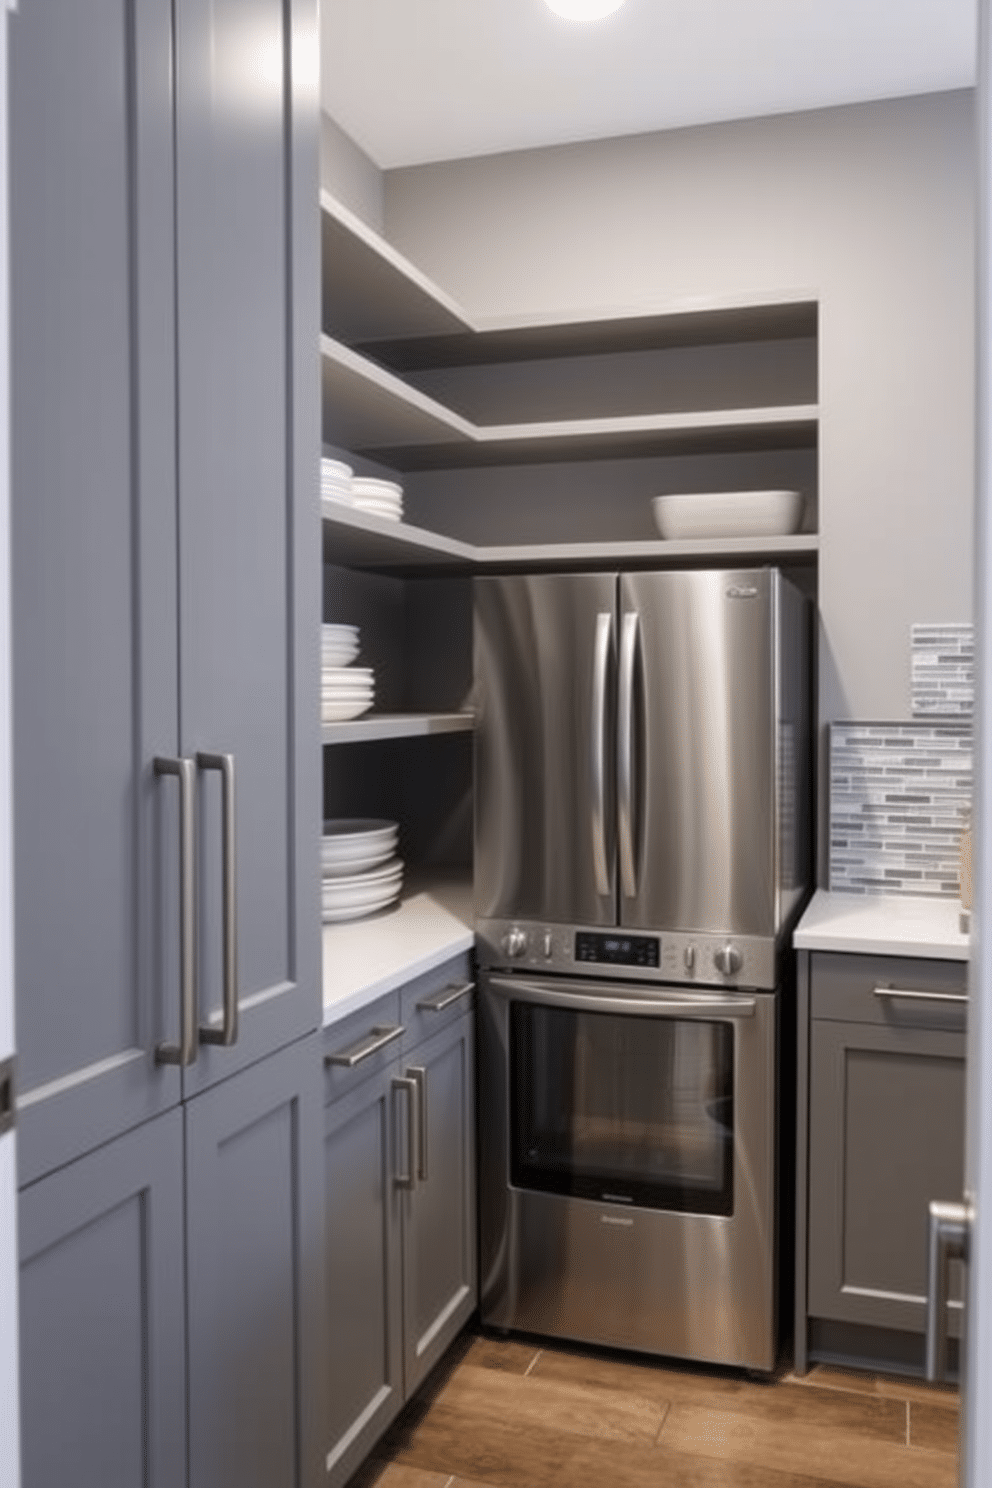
[628,1164]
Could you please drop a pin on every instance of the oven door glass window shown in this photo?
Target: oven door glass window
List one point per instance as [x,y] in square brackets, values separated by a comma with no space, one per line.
[622,1109]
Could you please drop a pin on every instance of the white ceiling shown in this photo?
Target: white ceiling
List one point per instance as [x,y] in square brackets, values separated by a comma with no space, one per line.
[419,80]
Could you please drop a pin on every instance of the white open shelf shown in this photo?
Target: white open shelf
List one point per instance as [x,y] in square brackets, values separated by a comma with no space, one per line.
[365,958]
[370,291]
[371,410]
[358,540]
[396,726]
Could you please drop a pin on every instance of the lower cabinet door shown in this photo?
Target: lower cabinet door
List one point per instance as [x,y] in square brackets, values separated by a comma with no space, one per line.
[255,1276]
[363,1275]
[886,1136]
[439,1250]
[103,1398]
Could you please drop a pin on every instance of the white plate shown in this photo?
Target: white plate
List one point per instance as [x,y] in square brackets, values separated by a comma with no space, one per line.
[334,897]
[358,831]
[348,674]
[373,857]
[380,516]
[342,712]
[355,912]
[369,485]
[344,887]
[728,514]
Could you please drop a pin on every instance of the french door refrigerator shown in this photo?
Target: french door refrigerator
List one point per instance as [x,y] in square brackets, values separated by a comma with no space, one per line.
[642,764]
[642,845]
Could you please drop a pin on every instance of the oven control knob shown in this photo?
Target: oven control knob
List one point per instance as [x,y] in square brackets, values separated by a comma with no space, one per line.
[548,945]
[515,942]
[689,956]
[727,960]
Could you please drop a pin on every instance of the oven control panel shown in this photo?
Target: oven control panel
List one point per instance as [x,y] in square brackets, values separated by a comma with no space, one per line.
[684,957]
[617,950]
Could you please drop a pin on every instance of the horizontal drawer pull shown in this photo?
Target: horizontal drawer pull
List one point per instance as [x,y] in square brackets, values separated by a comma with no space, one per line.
[365,1047]
[445,997]
[898,992]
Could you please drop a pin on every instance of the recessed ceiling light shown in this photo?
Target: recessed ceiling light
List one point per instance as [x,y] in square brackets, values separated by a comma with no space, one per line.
[584,10]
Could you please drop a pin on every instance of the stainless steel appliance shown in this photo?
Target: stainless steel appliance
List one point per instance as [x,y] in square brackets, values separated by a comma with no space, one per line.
[642,845]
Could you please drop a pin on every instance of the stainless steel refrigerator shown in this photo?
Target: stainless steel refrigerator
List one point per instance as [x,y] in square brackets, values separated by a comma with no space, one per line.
[642,763]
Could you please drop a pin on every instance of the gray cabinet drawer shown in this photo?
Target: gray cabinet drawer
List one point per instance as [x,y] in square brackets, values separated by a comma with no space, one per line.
[865,989]
[436,999]
[360,1045]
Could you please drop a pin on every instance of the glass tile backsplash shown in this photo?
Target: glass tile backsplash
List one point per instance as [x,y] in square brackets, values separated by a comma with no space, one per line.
[942,665]
[900,794]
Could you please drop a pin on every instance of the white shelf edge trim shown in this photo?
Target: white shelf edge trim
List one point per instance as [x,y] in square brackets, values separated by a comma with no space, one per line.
[397,726]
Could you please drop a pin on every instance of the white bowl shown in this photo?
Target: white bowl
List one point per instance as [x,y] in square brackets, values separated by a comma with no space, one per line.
[728,514]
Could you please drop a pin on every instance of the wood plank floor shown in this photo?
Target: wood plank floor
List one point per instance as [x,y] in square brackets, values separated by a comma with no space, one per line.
[510,1413]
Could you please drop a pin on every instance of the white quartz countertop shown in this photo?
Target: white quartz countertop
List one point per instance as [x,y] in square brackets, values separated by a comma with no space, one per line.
[365,958]
[882,925]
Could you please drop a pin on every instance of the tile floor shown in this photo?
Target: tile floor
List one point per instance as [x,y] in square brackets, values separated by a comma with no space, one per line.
[511,1413]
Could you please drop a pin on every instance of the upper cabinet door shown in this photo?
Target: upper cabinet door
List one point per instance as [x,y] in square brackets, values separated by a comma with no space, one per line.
[93,572]
[247,236]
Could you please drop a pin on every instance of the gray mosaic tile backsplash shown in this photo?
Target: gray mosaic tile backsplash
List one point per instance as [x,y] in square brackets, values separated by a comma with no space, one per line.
[900,794]
[943,670]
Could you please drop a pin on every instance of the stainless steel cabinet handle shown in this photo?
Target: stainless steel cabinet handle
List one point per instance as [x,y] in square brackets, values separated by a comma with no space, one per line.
[439,1001]
[897,992]
[601,660]
[625,755]
[227,1033]
[418,1075]
[184,1053]
[947,1241]
[369,1044]
[409,1178]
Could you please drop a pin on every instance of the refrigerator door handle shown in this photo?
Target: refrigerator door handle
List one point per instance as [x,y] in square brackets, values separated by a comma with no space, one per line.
[600,665]
[625,755]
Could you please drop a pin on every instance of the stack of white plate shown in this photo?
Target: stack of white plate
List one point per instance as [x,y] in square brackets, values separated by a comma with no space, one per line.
[360,870]
[382,498]
[346,691]
[335,480]
[338,645]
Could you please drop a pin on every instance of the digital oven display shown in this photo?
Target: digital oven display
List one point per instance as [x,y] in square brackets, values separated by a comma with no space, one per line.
[618,950]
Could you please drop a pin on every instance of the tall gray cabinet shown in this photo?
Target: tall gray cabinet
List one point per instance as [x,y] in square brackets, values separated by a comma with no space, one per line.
[165,608]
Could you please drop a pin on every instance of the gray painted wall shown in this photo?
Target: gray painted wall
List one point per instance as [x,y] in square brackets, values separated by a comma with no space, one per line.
[871,209]
[348,173]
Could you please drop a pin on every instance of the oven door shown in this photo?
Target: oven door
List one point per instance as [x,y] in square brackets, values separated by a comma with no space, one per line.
[627,1173]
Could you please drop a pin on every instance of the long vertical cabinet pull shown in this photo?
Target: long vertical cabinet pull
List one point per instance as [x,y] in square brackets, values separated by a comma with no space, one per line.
[418,1075]
[601,660]
[625,751]
[227,1033]
[402,1083]
[185,1052]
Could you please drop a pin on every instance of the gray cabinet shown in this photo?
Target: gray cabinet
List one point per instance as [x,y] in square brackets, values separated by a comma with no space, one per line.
[165,596]
[165,578]
[254,1231]
[882,1040]
[170,1309]
[102,1375]
[399,1148]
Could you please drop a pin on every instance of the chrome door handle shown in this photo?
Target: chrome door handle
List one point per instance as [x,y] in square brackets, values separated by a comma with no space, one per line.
[601,659]
[185,1052]
[369,1044]
[418,1075]
[901,994]
[625,754]
[409,1178]
[439,1001]
[947,1241]
[227,1033]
